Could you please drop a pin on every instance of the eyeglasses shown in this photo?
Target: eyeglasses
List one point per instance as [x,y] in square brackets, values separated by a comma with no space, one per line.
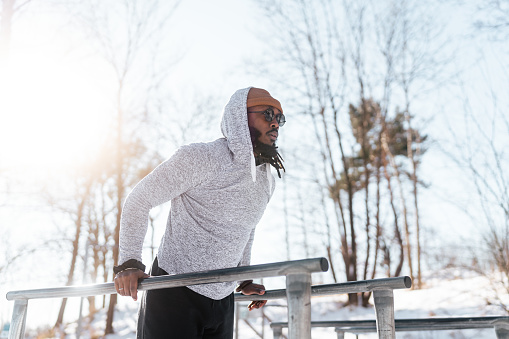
[269,116]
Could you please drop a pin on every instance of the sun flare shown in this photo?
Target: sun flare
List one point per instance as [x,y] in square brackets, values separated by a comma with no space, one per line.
[53,113]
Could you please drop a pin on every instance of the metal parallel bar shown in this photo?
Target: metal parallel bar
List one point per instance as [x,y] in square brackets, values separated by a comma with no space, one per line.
[19,317]
[500,323]
[463,322]
[331,289]
[298,290]
[186,279]
[487,321]
[384,311]
[350,323]
[288,268]
[369,329]
[365,286]
[501,333]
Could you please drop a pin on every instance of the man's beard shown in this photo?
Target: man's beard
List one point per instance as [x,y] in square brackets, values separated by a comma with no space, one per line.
[266,153]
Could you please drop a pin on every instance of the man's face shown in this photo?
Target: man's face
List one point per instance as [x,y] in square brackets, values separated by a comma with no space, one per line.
[269,130]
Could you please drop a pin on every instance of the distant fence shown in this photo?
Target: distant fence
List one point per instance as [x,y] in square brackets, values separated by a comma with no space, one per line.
[298,290]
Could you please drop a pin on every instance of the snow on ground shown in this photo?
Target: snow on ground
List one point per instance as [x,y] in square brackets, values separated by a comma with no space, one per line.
[459,295]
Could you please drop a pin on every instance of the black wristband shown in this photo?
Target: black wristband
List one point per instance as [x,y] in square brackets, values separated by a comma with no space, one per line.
[131,263]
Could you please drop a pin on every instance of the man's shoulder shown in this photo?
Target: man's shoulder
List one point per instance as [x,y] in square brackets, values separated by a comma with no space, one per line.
[210,156]
[218,145]
[213,152]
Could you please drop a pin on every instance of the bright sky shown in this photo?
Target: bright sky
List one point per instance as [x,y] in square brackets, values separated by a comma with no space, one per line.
[53,104]
[49,112]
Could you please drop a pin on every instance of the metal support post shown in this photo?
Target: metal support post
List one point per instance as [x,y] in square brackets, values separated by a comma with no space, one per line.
[502,329]
[384,310]
[237,316]
[341,334]
[298,291]
[80,316]
[19,317]
[278,332]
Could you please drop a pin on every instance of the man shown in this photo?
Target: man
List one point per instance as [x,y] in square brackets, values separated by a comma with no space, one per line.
[218,191]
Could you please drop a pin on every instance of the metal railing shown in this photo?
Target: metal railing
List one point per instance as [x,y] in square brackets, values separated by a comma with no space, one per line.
[499,323]
[382,294]
[298,290]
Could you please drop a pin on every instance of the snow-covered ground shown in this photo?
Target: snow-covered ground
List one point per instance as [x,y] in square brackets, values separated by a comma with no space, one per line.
[452,293]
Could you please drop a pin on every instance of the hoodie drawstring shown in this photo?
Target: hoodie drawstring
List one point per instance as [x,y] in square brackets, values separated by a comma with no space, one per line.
[269,176]
[267,170]
[253,168]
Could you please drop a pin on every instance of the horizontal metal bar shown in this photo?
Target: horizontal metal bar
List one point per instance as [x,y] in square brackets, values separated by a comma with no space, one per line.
[429,324]
[341,288]
[178,280]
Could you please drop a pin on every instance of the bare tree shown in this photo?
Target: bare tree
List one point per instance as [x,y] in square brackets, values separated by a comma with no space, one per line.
[483,161]
[478,149]
[140,26]
[411,43]
[482,155]
[495,18]
[10,255]
[77,215]
[331,48]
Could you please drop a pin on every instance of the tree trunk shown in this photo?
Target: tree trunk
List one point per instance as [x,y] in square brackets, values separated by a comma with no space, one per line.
[75,248]
[367,295]
[397,176]
[412,158]
[397,232]
[408,245]
[97,263]
[377,216]
[351,271]
[120,194]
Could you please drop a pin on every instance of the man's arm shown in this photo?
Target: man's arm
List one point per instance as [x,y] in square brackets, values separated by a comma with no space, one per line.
[171,178]
[247,287]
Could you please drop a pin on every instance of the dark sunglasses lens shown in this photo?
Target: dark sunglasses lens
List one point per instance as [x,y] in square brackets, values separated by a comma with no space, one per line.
[280,118]
[281,121]
[269,116]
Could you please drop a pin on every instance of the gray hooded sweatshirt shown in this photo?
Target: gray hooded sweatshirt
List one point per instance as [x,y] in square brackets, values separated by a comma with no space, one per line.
[218,195]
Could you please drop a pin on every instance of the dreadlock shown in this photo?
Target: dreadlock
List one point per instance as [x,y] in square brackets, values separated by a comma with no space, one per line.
[268,154]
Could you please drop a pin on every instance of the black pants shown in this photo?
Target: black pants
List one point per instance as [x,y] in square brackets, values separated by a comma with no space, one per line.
[180,313]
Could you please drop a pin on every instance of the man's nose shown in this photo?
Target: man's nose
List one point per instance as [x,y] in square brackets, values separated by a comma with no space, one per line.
[274,124]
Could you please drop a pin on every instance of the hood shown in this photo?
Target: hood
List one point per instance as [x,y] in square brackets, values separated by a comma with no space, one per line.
[235,129]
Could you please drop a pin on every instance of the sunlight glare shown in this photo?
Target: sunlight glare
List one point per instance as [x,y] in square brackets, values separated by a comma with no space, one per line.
[54,113]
